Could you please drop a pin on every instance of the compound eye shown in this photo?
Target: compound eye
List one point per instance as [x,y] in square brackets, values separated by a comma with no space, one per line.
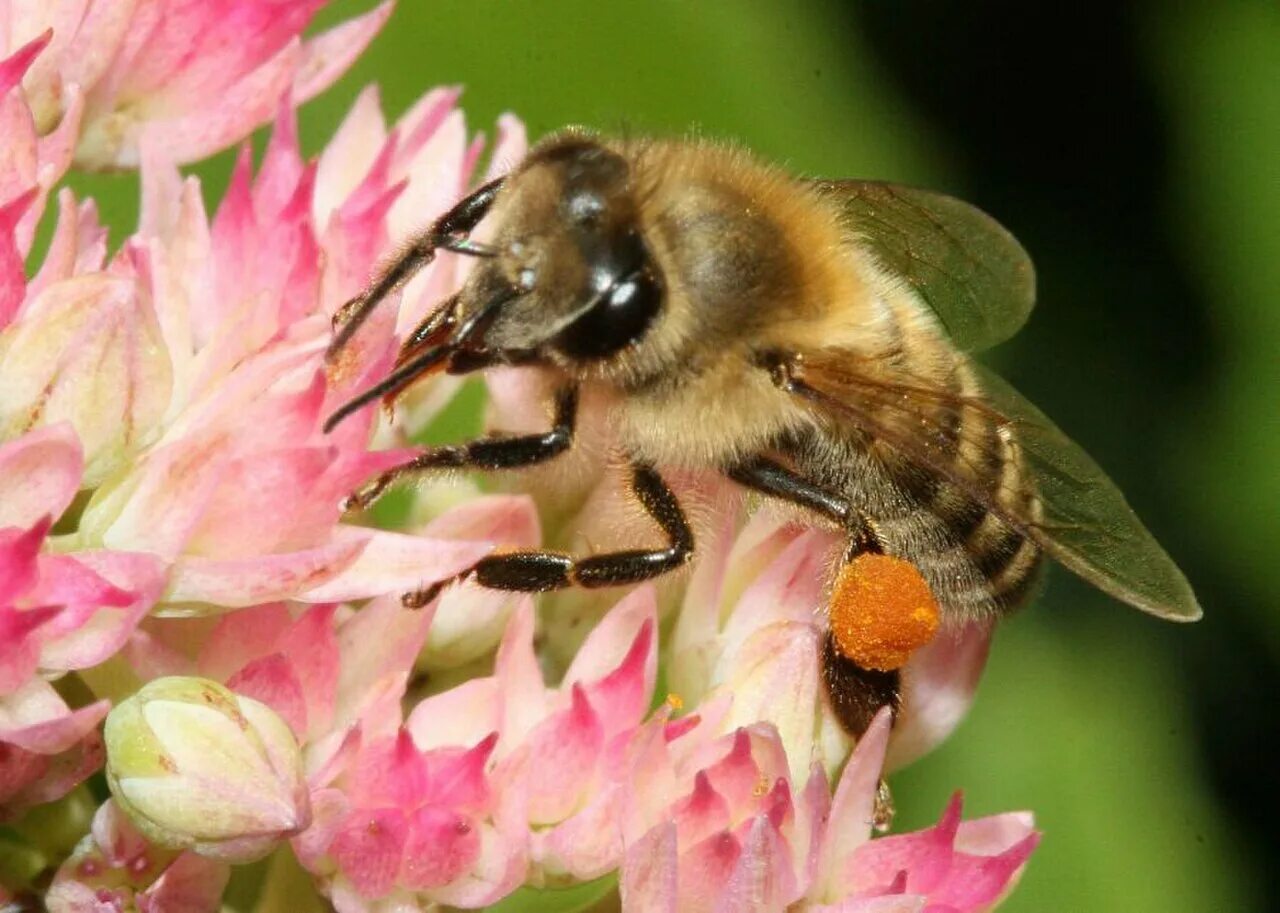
[621,317]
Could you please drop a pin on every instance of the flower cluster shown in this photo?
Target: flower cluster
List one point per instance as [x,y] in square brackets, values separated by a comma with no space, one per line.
[185,611]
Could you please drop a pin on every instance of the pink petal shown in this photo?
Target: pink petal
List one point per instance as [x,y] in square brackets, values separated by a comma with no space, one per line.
[773,677]
[440,847]
[229,116]
[938,685]
[39,475]
[994,834]
[975,883]
[351,151]
[14,67]
[622,697]
[460,777]
[610,641]
[57,732]
[272,681]
[368,848]
[329,811]
[190,884]
[78,244]
[243,636]
[926,856]
[519,677]
[562,755]
[234,524]
[649,873]
[589,844]
[386,562]
[705,869]
[22,651]
[463,714]
[282,167]
[509,147]
[312,647]
[19,569]
[330,54]
[13,282]
[762,879]
[701,813]
[852,810]
[104,628]
[378,646]
[246,581]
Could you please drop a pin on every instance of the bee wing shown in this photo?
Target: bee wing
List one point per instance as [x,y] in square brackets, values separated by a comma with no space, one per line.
[1079,516]
[964,265]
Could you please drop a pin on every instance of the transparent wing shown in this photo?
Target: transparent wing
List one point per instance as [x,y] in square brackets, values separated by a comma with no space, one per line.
[1079,516]
[968,269]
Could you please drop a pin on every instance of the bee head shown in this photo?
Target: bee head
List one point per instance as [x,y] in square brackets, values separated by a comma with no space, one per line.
[569,255]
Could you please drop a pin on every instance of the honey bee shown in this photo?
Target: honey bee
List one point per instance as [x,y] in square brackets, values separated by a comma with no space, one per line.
[808,339]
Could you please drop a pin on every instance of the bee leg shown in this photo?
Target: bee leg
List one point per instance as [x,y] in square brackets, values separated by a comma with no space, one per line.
[772,478]
[446,232]
[484,453]
[539,571]
[855,694]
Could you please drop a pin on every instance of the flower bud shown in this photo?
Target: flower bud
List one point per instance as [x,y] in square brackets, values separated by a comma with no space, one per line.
[198,767]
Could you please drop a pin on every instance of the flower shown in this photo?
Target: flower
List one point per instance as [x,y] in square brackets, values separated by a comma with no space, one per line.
[741,837]
[192,367]
[194,76]
[46,748]
[494,782]
[751,626]
[115,868]
[199,767]
[58,612]
[171,540]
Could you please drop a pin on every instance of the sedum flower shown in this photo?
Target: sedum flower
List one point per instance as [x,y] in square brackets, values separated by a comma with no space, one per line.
[751,626]
[58,612]
[115,868]
[743,836]
[194,76]
[495,782]
[196,766]
[191,367]
[46,748]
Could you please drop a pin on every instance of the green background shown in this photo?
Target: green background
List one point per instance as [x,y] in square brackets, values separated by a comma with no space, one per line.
[1148,191]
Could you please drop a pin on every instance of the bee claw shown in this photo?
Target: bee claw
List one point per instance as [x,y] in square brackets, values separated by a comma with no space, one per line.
[364,496]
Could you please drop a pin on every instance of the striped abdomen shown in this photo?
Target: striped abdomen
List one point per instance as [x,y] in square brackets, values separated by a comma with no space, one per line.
[933,469]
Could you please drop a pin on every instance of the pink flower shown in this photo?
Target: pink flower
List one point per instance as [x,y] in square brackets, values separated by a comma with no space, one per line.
[115,868]
[742,837]
[31,162]
[496,781]
[58,612]
[192,367]
[45,747]
[194,76]
[751,628]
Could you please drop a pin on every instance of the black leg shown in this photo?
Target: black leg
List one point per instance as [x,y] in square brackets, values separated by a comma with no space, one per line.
[769,477]
[539,571]
[485,453]
[854,694]
[446,232]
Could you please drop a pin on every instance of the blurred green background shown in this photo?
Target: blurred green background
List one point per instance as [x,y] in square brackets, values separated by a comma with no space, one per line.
[1135,149]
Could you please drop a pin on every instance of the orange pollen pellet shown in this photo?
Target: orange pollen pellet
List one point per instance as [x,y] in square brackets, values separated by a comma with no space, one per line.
[882,611]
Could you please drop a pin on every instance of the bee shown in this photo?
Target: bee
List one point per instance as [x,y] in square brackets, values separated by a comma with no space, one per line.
[808,339]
